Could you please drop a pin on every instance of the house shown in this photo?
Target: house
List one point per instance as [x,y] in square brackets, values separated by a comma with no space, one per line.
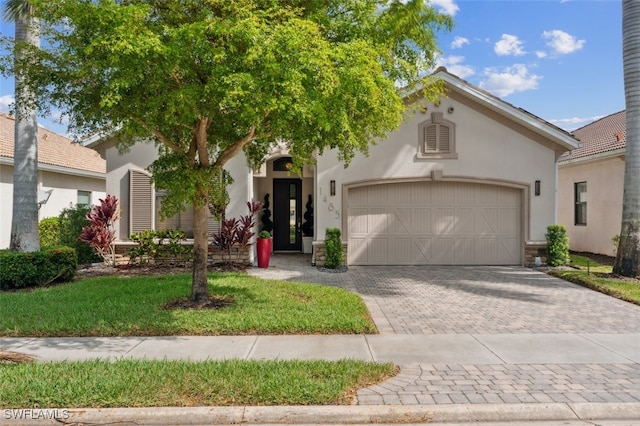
[591,184]
[469,180]
[68,174]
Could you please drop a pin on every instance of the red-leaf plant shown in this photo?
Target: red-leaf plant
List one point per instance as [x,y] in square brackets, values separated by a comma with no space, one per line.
[237,231]
[100,234]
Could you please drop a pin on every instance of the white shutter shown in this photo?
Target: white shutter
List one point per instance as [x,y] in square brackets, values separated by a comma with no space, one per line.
[141,202]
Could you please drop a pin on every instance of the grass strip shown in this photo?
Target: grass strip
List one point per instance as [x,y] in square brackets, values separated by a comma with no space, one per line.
[590,274]
[132,306]
[145,383]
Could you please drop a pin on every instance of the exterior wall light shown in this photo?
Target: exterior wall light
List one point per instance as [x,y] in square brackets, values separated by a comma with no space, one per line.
[332,187]
[537,188]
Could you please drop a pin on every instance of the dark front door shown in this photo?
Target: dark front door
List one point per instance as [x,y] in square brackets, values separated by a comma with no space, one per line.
[287,214]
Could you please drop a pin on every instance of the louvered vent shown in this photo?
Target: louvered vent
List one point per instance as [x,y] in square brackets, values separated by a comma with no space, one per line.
[140,201]
[430,139]
[443,139]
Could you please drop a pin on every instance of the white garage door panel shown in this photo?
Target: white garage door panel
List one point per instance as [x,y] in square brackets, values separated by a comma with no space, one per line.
[438,223]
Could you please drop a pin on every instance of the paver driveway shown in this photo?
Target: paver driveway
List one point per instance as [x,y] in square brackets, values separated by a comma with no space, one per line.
[531,317]
[469,299]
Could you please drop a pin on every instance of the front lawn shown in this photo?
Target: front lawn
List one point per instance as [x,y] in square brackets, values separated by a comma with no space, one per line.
[143,383]
[133,306]
[598,277]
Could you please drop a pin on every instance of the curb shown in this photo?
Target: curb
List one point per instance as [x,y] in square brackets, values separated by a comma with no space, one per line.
[360,414]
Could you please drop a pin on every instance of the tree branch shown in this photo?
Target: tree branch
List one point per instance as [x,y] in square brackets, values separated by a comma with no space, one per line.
[159,135]
[234,149]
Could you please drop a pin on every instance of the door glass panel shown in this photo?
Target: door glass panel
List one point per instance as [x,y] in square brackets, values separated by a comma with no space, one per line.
[292,221]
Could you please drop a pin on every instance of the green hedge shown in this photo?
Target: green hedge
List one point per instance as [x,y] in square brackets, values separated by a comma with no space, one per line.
[333,248]
[21,270]
[557,245]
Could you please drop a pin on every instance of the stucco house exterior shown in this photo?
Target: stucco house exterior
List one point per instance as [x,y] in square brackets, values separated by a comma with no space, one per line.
[68,174]
[591,185]
[469,180]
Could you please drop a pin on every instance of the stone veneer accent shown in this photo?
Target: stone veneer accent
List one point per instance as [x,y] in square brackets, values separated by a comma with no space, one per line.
[533,250]
[320,253]
[215,254]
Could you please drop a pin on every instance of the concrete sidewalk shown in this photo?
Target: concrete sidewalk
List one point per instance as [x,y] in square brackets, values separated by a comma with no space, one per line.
[404,350]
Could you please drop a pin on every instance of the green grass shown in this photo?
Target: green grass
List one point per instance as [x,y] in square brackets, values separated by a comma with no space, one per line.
[143,383]
[121,306]
[598,277]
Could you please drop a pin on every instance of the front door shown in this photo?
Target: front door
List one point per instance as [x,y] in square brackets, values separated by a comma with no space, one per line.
[287,214]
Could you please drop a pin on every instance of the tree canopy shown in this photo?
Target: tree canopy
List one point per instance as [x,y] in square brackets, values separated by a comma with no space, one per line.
[208,79]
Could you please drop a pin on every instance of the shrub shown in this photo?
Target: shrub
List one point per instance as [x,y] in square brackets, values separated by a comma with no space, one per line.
[21,270]
[557,245]
[49,230]
[72,220]
[160,247]
[333,248]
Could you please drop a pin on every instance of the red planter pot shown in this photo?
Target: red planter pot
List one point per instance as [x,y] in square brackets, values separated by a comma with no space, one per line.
[264,252]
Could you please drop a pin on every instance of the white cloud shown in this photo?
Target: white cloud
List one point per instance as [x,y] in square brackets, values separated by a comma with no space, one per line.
[509,45]
[5,102]
[574,123]
[454,65]
[541,54]
[458,42]
[562,43]
[448,7]
[511,80]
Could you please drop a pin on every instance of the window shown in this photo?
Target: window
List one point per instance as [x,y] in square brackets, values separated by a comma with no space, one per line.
[84,198]
[580,190]
[436,138]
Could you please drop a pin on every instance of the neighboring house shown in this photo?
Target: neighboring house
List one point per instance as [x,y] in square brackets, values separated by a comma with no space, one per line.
[468,181]
[591,184]
[68,174]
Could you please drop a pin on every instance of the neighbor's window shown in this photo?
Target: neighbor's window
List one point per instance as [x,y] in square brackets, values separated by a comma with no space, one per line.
[581,203]
[84,198]
[436,138]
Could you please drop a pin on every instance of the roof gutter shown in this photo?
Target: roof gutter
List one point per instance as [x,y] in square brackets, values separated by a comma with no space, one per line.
[59,169]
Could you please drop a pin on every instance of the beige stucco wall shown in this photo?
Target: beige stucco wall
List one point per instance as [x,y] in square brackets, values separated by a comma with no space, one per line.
[605,183]
[65,194]
[487,148]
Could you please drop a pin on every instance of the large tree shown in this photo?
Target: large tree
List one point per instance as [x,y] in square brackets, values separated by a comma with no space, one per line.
[209,79]
[24,219]
[628,255]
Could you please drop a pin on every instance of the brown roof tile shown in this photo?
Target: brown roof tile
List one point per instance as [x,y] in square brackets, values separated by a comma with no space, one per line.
[603,135]
[53,149]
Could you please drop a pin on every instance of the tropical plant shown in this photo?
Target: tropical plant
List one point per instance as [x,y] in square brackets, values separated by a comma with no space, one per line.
[72,220]
[210,80]
[628,254]
[100,234]
[49,232]
[24,219]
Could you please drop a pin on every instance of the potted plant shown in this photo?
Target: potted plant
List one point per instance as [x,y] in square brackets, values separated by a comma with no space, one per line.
[264,249]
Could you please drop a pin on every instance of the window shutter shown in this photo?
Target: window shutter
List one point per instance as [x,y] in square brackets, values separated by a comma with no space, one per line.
[444,145]
[430,139]
[140,201]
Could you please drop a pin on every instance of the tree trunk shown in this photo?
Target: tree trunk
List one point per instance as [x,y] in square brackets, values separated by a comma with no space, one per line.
[24,220]
[199,285]
[627,258]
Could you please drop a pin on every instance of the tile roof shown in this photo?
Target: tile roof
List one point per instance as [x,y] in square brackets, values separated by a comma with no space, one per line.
[53,149]
[603,135]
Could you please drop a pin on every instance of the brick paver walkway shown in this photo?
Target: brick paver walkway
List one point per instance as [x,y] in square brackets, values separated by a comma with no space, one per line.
[485,300]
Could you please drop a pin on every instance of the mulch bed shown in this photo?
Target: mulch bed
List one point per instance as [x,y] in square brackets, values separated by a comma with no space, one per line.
[99,270]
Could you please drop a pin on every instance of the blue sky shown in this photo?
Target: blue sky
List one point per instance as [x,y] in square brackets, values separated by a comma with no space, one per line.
[558,59]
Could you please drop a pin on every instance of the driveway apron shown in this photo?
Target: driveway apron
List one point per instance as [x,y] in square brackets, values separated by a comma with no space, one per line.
[488,334]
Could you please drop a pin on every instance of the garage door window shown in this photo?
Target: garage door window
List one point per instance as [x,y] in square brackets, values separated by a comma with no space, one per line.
[437,138]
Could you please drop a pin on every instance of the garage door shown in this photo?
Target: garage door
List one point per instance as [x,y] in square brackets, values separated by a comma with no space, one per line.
[434,223]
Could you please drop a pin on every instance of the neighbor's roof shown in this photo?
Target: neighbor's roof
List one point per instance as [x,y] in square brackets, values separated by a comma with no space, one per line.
[53,149]
[604,135]
[531,121]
